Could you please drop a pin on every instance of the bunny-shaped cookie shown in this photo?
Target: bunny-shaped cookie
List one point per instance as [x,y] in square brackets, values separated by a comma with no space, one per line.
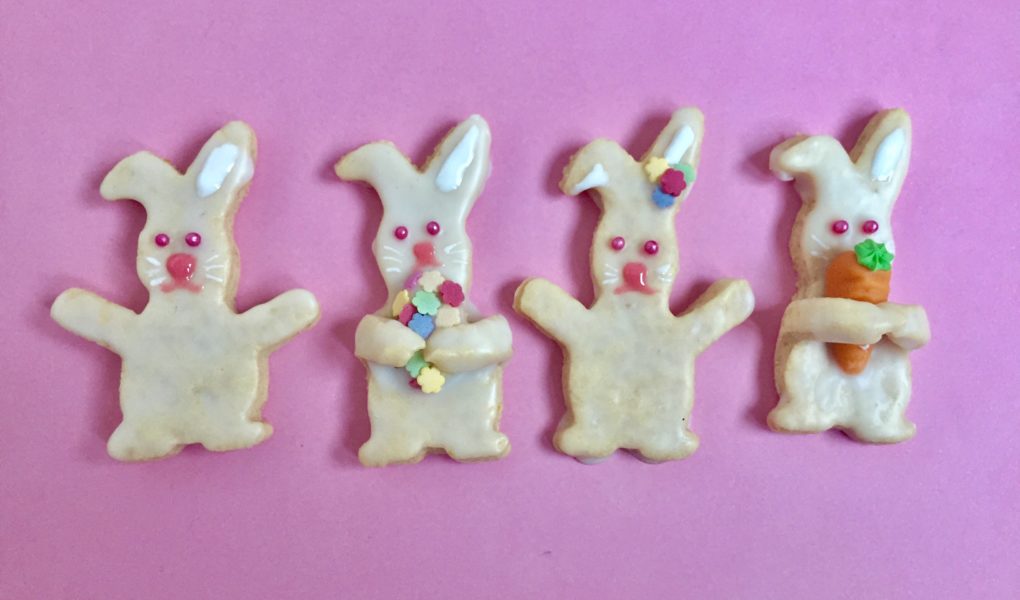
[435,368]
[629,372]
[848,202]
[194,371]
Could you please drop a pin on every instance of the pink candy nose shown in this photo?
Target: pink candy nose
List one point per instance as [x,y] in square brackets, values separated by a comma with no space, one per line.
[181,266]
[425,254]
[635,279]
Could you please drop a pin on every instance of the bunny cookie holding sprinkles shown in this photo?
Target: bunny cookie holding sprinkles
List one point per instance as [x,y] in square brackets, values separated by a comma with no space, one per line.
[193,370]
[629,361]
[435,367]
[842,358]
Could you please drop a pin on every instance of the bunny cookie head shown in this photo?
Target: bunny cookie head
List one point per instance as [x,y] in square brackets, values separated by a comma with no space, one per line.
[186,248]
[424,212]
[634,253]
[848,198]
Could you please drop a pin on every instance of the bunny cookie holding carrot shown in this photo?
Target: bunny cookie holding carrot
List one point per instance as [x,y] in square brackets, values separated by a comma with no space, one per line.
[435,366]
[842,358]
[194,371]
[629,361]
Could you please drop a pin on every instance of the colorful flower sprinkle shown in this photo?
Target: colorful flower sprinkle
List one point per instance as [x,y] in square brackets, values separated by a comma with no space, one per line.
[415,364]
[451,293]
[662,199]
[426,302]
[399,302]
[421,324]
[431,380]
[430,280]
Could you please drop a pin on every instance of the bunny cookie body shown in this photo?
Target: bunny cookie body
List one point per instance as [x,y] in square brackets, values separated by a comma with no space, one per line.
[435,367]
[629,361]
[848,202]
[193,370]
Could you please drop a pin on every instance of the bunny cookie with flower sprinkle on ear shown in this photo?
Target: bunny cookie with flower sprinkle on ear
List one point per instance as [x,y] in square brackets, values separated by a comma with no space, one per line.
[435,367]
[842,359]
[194,371]
[629,362]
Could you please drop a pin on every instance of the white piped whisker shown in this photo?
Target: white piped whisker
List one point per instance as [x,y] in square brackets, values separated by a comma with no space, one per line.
[390,259]
[212,258]
[157,281]
[820,242]
[214,267]
[663,269]
[609,280]
[392,270]
[153,261]
[452,246]
[214,278]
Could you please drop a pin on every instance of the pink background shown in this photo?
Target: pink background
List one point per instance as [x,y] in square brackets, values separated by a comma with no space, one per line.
[751,514]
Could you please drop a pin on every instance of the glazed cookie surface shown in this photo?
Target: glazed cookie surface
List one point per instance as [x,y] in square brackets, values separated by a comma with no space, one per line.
[628,360]
[843,354]
[435,365]
[193,370]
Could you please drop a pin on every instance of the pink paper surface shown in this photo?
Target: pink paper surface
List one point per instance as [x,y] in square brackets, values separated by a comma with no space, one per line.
[752,514]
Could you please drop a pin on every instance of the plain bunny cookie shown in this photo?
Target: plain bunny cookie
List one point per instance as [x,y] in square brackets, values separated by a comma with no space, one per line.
[847,206]
[193,370]
[435,367]
[629,361]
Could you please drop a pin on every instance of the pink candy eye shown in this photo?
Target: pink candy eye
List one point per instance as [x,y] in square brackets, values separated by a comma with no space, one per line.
[651,247]
[617,243]
[870,226]
[162,240]
[840,227]
[432,228]
[193,239]
[400,233]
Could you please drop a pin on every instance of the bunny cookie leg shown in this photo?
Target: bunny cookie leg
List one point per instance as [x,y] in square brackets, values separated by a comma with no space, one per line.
[393,439]
[139,442]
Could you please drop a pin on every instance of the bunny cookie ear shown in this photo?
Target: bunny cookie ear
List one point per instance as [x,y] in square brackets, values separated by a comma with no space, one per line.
[882,152]
[143,176]
[803,155]
[604,166]
[225,164]
[460,164]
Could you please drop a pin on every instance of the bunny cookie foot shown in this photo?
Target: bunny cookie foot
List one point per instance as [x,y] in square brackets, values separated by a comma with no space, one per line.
[672,445]
[132,443]
[898,430]
[585,444]
[791,418]
[244,434]
[486,445]
[382,450]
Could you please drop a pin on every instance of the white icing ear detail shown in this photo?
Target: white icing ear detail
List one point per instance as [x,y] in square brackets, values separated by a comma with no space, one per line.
[681,143]
[888,155]
[595,178]
[220,162]
[451,175]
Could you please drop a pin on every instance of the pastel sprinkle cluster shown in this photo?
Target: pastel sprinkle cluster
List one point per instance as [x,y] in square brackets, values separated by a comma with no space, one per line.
[670,180]
[428,301]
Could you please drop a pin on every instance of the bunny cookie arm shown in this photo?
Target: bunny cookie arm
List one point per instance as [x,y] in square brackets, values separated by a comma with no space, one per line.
[913,332]
[93,317]
[726,304]
[283,317]
[470,346]
[385,341]
[553,310]
[839,320]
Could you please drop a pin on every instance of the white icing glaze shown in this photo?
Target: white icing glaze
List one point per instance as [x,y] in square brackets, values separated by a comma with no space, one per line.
[679,145]
[888,155]
[218,165]
[597,177]
[630,361]
[815,394]
[192,368]
[462,419]
[451,174]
